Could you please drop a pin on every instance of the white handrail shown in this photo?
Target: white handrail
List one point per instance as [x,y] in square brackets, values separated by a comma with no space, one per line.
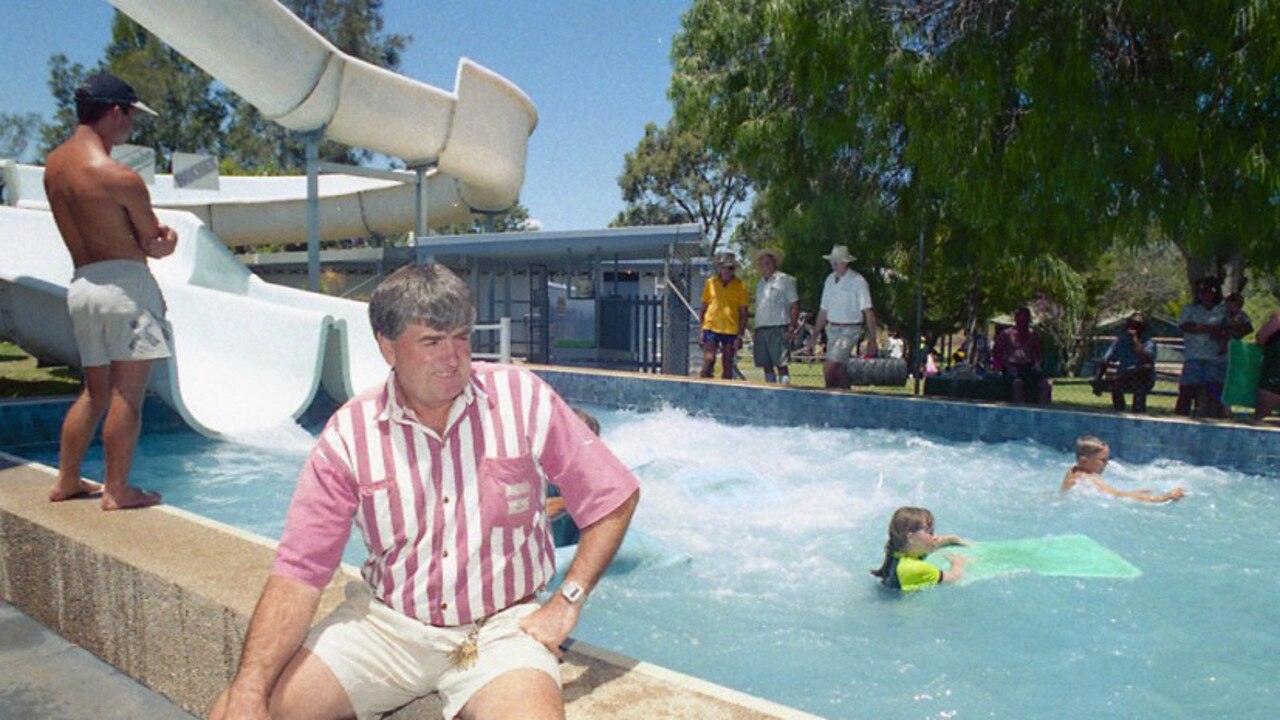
[503,326]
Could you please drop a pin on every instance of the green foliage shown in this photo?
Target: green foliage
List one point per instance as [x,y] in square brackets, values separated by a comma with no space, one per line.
[514,220]
[672,177]
[16,132]
[196,115]
[64,77]
[1024,138]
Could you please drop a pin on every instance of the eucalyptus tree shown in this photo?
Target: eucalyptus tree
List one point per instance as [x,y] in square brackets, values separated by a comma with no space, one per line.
[1023,134]
[673,177]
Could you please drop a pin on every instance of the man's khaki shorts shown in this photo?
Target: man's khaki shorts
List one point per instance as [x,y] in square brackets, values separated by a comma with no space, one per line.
[384,659]
[841,342]
[117,313]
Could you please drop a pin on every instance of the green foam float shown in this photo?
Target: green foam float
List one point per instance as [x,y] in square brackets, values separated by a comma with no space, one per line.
[1244,367]
[1054,556]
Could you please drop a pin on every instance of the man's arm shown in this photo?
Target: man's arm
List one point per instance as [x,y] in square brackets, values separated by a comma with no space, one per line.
[154,238]
[1268,329]
[818,325]
[869,320]
[793,321]
[1174,494]
[279,625]
[552,623]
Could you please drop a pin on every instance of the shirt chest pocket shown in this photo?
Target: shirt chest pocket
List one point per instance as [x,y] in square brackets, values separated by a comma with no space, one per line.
[510,490]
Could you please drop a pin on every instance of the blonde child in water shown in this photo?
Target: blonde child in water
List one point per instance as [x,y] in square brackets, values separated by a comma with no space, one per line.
[1092,455]
[910,539]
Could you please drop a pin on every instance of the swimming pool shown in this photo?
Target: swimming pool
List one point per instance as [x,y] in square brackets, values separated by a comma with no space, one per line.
[781,525]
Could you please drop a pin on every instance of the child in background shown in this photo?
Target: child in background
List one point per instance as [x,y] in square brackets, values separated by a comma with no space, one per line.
[1092,455]
[910,539]
[1236,323]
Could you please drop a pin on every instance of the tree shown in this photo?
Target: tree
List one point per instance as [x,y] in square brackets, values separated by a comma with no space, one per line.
[515,219]
[1013,129]
[196,116]
[16,132]
[64,77]
[357,28]
[672,177]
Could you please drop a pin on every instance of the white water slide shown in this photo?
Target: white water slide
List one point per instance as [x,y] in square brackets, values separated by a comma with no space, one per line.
[249,354]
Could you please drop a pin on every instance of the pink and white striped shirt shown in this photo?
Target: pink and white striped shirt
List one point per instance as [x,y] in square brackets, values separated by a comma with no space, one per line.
[455,525]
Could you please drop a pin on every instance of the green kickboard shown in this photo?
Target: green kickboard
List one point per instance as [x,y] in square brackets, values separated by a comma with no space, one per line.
[1055,555]
[1244,367]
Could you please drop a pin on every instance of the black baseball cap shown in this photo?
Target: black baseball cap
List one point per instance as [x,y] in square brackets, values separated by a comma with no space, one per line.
[107,89]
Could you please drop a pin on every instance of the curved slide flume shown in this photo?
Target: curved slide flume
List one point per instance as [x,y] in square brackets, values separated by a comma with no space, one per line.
[477,134]
[239,363]
[250,355]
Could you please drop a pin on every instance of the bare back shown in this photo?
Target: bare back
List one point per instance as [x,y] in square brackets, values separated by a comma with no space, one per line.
[102,208]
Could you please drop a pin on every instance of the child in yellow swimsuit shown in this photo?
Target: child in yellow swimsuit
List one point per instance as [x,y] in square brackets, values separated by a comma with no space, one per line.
[910,539]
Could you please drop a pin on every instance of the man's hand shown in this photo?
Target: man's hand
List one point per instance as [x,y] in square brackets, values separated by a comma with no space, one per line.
[737,343]
[163,244]
[552,623]
[873,348]
[238,706]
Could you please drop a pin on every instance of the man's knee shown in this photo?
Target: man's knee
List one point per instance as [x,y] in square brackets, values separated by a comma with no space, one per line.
[527,693]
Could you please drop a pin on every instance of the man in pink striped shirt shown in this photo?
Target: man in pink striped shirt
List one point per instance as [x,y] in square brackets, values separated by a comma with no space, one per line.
[444,469]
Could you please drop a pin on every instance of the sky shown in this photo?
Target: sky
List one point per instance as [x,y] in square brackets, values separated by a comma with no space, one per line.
[597,70]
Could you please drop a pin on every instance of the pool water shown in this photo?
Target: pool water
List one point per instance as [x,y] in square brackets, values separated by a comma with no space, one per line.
[781,526]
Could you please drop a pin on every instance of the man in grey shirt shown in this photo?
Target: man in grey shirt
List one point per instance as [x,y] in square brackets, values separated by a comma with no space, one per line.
[777,317]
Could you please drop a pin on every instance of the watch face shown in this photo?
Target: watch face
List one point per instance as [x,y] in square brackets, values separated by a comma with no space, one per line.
[572,592]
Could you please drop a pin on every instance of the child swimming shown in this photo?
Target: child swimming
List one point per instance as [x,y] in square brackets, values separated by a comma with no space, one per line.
[910,539]
[1092,455]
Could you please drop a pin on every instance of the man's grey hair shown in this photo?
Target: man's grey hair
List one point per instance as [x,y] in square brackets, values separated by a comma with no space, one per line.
[429,295]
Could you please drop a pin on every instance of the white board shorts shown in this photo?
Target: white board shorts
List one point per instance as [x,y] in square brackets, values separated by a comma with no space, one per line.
[117,313]
[384,659]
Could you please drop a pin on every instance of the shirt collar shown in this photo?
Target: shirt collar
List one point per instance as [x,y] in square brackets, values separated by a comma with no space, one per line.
[394,409]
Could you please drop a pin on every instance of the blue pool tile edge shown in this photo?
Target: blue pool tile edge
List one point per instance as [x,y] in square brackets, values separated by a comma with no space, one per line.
[1240,448]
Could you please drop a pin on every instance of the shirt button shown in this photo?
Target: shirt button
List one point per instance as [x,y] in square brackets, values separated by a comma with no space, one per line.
[444,606]
[446,499]
[446,553]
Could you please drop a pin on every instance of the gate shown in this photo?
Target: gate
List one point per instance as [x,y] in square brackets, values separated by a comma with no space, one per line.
[629,332]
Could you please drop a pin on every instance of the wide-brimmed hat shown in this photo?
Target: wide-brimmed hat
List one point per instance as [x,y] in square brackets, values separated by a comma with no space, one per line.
[774,253]
[726,260]
[839,253]
[107,89]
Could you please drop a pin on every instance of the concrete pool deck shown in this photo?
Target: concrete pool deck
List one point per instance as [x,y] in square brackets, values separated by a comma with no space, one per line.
[165,597]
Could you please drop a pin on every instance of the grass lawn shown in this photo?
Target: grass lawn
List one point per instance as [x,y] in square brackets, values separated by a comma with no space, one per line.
[1068,393]
[21,377]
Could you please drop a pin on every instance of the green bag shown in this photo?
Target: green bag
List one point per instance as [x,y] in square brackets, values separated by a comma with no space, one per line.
[1055,555]
[1244,366]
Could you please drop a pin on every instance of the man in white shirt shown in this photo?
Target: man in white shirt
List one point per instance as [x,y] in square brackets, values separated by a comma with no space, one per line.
[845,313]
[777,317]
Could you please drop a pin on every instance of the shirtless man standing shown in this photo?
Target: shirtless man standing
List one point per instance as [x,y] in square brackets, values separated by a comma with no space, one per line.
[103,211]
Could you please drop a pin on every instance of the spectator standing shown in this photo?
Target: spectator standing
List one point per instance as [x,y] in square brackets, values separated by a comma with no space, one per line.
[777,317]
[846,313]
[724,317]
[1203,369]
[1269,377]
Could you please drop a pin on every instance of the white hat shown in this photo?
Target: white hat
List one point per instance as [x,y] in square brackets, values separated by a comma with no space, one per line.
[727,260]
[839,253]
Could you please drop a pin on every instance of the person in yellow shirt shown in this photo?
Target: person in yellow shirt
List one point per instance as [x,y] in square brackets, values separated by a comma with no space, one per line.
[724,316]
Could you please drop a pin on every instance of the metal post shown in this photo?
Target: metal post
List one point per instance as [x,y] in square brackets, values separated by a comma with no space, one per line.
[420,228]
[313,210]
[504,340]
[919,335]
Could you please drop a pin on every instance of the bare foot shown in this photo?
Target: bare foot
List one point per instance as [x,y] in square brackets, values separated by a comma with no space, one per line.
[83,488]
[130,499]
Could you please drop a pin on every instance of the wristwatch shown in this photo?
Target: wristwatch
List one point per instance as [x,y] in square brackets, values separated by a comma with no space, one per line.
[572,592]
